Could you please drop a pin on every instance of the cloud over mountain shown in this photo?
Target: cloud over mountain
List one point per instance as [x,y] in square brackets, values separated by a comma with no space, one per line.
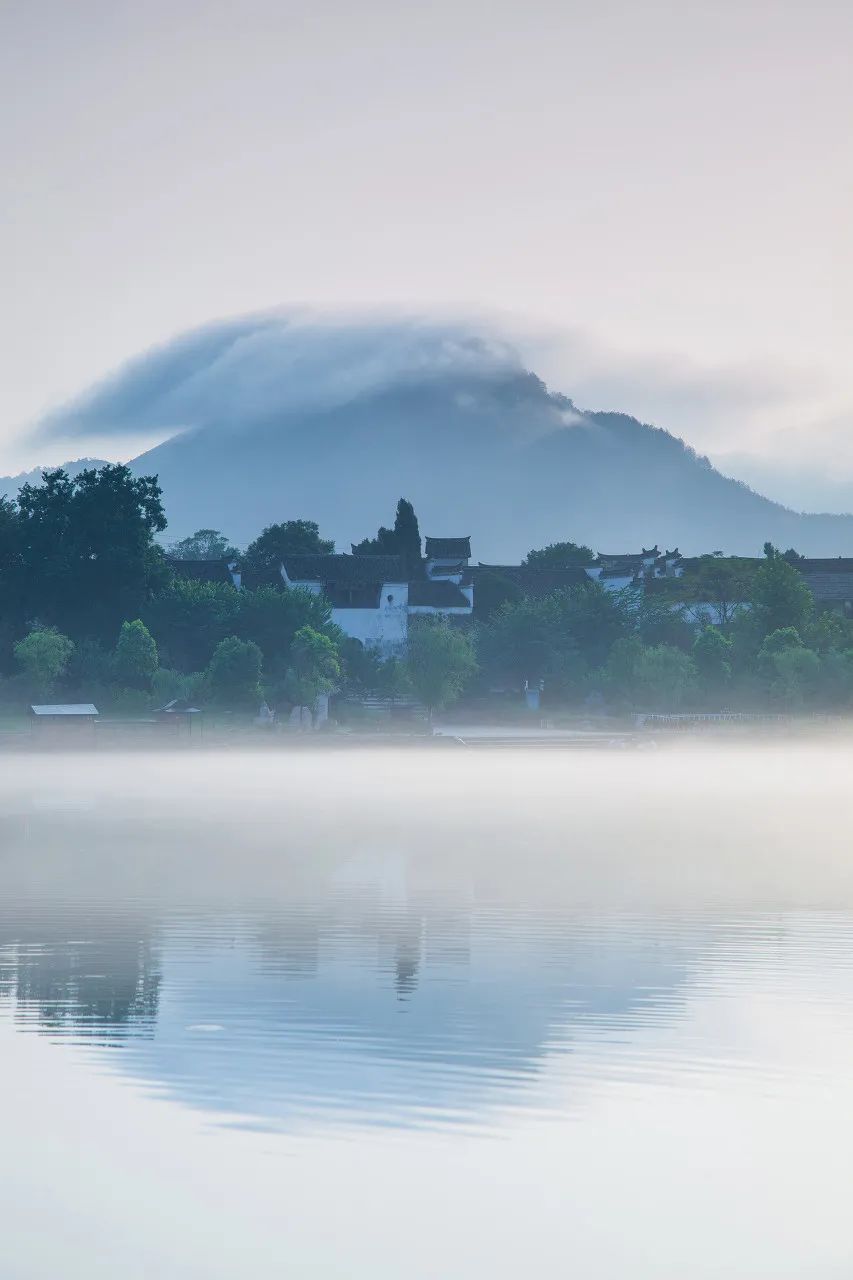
[282,415]
[239,370]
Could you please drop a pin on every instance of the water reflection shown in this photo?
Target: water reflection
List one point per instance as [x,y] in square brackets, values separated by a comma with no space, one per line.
[389,1014]
[100,985]
[265,963]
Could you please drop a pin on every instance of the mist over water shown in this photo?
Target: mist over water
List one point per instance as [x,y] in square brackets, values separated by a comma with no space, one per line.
[422,1013]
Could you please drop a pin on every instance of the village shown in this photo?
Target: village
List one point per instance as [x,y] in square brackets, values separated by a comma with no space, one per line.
[372,599]
[417,636]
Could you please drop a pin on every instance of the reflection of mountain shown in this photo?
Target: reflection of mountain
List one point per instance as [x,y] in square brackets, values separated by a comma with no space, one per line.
[384,1014]
[262,954]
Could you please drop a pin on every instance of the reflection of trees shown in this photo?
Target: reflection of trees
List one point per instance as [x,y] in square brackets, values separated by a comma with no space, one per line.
[396,1008]
[290,944]
[406,964]
[75,977]
[294,942]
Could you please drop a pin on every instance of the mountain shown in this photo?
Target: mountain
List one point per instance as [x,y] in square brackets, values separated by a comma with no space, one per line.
[291,415]
[9,485]
[499,458]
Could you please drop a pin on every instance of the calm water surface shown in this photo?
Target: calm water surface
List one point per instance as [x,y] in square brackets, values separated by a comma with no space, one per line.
[427,1015]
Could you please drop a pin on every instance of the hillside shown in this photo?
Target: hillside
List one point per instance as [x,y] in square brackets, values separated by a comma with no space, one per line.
[499,459]
[9,485]
[276,416]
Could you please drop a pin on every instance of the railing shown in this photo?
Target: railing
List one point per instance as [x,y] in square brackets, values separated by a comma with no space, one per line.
[684,718]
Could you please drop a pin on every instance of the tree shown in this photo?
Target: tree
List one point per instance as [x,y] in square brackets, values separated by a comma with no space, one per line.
[492,591]
[619,672]
[204,544]
[13,612]
[791,556]
[724,583]
[384,544]
[86,553]
[560,555]
[780,597]
[836,677]
[791,670]
[316,667]
[594,618]
[654,677]
[658,619]
[293,537]
[189,618]
[366,671]
[168,685]
[408,534]
[554,638]
[273,618]
[43,656]
[234,674]
[439,663]
[403,540]
[829,631]
[10,541]
[90,669]
[797,676]
[777,642]
[664,677]
[523,641]
[135,659]
[712,655]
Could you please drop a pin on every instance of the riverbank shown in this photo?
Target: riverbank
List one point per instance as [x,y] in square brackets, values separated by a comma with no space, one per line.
[218,735]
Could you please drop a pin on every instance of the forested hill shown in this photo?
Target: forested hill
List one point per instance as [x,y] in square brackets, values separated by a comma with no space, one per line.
[492,454]
[9,485]
[500,459]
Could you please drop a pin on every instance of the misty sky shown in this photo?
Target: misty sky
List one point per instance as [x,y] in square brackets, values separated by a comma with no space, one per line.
[654,200]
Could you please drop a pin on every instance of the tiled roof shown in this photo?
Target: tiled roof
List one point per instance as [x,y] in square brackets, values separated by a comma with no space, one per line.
[830,586]
[439,595]
[621,570]
[64,709]
[841,564]
[445,548]
[532,581]
[252,579]
[448,570]
[178,707]
[200,570]
[628,557]
[344,569]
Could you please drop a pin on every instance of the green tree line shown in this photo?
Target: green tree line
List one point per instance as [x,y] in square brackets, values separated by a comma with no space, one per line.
[91,608]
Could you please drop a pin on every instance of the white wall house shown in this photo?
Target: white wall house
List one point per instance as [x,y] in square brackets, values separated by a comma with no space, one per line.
[446,598]
[448,586]
[369,595]
[632,569]
[446,559]
[371,598]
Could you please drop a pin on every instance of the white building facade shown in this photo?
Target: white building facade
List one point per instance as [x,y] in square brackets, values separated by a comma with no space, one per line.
[371,597]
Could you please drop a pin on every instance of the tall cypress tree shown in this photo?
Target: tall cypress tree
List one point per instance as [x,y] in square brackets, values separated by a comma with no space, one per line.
[403,540]
[408,538]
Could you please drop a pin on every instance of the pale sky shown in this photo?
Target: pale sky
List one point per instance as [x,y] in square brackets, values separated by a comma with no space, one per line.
[654,198]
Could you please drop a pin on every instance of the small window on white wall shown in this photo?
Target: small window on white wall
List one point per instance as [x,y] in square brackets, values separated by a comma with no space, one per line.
[390,599]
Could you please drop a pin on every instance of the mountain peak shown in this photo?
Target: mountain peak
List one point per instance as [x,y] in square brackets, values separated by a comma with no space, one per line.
[285,416]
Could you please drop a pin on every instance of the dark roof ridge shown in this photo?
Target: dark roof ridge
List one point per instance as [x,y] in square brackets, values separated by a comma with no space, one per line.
[340,568]
[460,546]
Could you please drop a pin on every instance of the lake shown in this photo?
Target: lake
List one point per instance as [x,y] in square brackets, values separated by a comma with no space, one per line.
[427,1014]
